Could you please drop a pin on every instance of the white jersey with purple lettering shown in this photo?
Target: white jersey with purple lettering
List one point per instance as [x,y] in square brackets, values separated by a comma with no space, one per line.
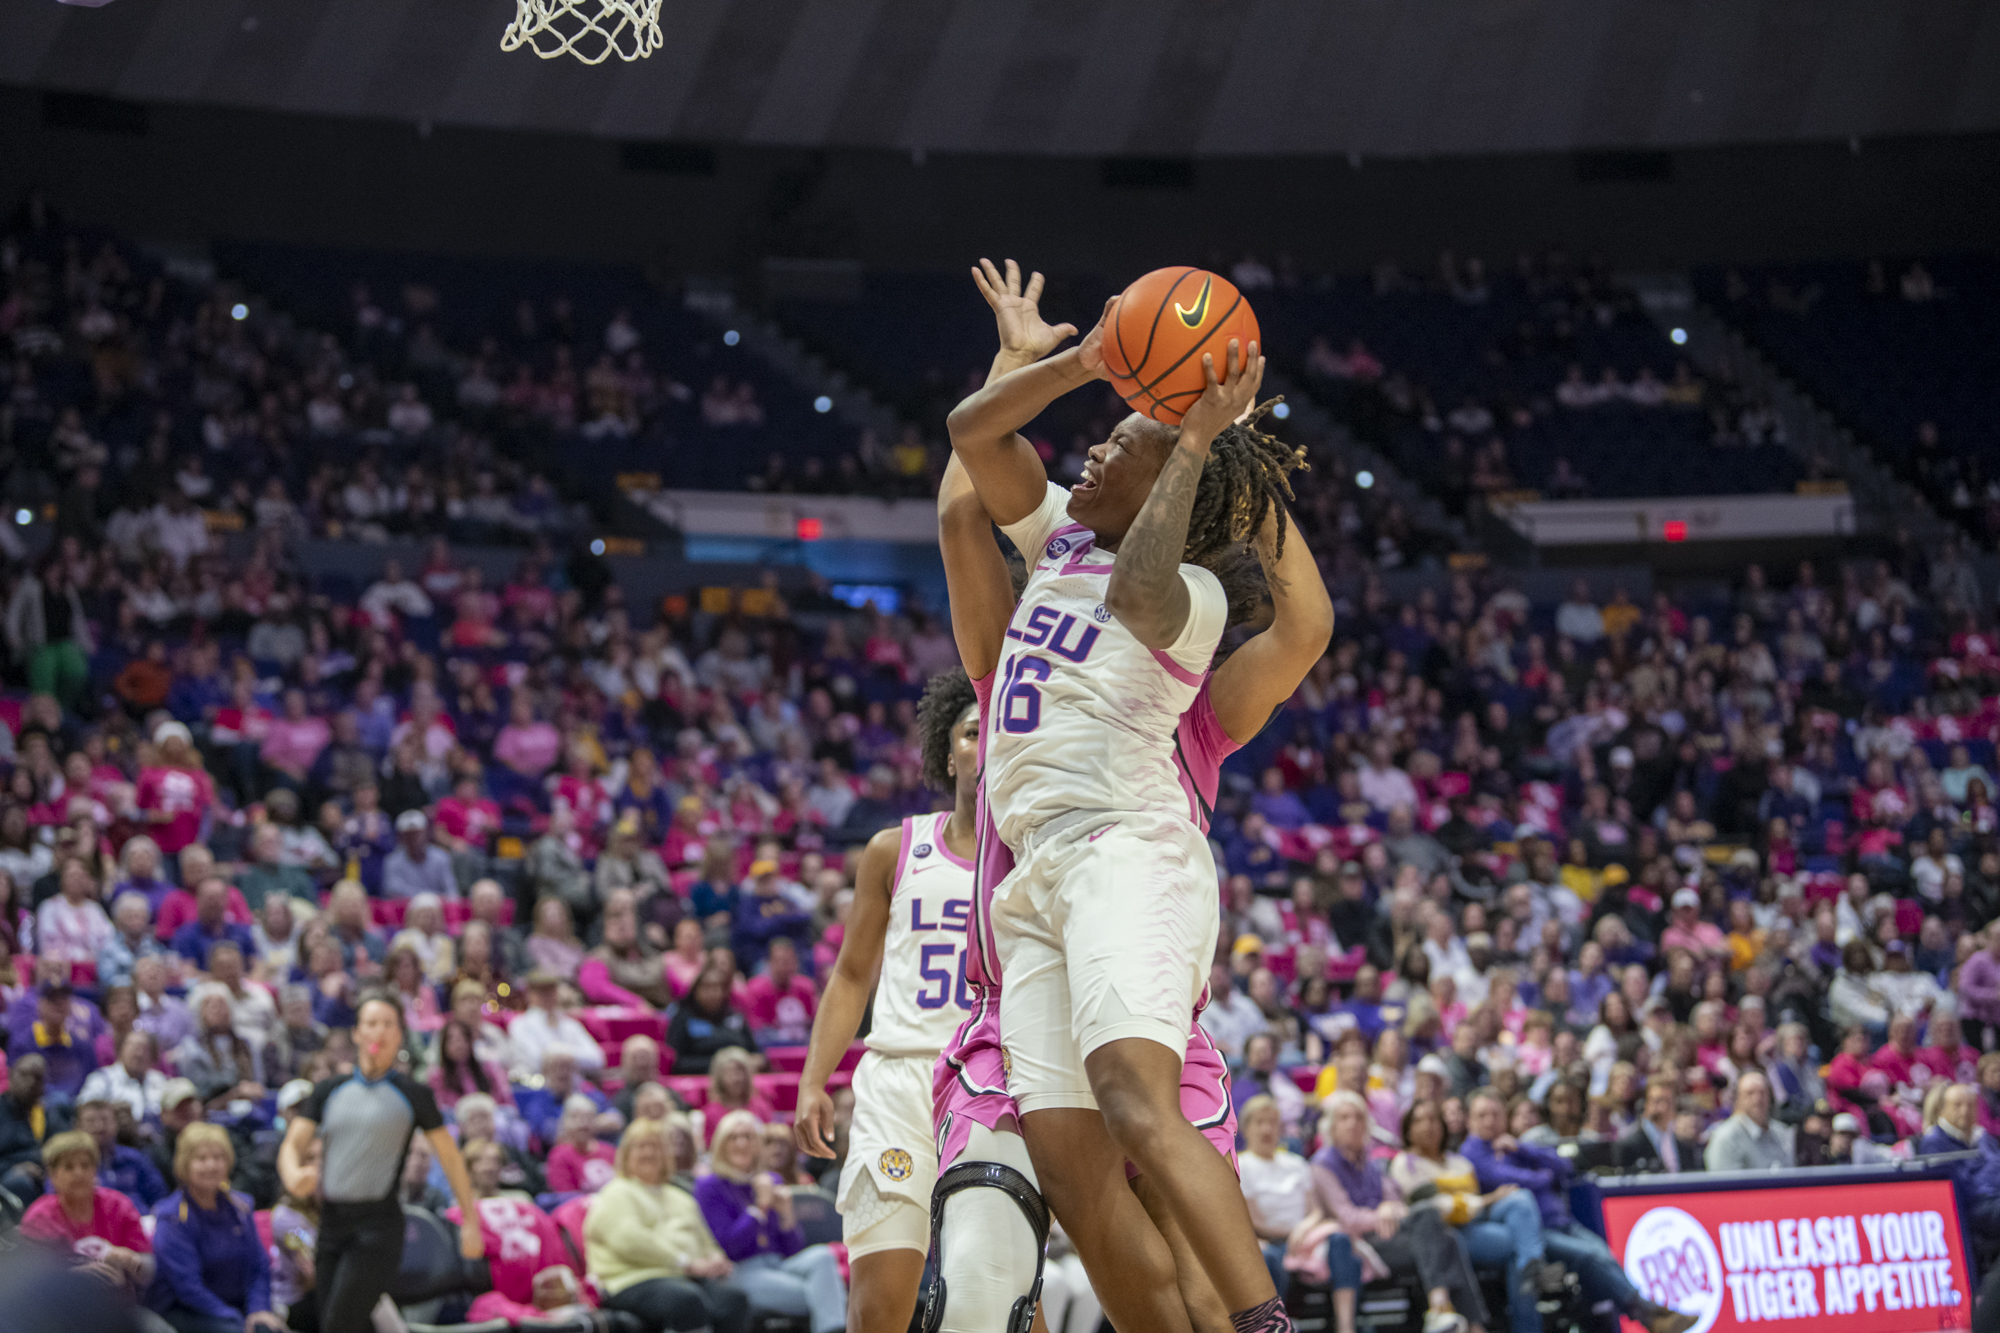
[885,1186]
[922,997]
[1083,713]
[970,1084]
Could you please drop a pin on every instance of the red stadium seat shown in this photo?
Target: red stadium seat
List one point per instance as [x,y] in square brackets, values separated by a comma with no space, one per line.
[388,912]
[568,1218]
[621,1024]
[691,1089]
[782,1089]
[457,911]
[850,1060]
[786,1059]
[1306,1077]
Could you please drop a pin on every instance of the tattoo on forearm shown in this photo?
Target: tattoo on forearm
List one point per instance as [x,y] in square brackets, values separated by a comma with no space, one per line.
[1151,552]
[1268,558]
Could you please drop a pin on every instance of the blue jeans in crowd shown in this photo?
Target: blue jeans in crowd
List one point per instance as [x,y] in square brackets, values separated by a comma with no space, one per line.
[1584,1253]
[1343,1264]
[807,1284]
[1509,1234]
[1274,1263]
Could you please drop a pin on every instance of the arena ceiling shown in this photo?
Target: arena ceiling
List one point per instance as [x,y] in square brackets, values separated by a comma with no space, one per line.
[1104,77]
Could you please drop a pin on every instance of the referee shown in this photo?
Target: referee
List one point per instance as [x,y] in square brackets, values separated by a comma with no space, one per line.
[366,1121]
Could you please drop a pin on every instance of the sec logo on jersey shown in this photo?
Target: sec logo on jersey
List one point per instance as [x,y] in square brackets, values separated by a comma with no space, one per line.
[1059,547]
[921,849]
[895,1164]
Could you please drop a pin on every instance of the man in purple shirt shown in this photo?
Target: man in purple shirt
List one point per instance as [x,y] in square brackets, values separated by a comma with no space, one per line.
[1500,1159]
[211,924]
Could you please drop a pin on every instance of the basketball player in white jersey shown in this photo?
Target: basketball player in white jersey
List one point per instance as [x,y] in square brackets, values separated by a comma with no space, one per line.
[1106,927]
[905,942]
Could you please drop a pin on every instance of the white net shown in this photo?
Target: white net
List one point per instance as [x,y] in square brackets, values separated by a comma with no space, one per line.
[590,30]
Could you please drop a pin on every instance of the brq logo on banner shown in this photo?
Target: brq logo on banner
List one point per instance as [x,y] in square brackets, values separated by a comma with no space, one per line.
[1671,1259]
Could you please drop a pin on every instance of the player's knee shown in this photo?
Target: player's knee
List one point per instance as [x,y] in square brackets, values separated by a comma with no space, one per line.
[1136,1119]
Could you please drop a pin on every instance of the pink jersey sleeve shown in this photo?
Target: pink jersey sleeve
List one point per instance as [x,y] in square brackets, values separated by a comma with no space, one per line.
[982,689]
[1200,746]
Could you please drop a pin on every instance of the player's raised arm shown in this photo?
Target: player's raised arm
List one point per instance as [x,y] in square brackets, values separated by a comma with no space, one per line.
[847,990]
[1261,675]
[1145,592]
[985,428]
[982,591]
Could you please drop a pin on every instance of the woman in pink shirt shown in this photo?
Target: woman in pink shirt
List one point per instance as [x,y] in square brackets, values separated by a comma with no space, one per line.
[72,925]
[293,742]
[96,1226]
[526,745]
[403,972]
[176,793]
[579,1162]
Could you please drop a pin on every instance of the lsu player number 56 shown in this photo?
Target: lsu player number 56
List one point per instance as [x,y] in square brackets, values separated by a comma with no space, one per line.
[905,941]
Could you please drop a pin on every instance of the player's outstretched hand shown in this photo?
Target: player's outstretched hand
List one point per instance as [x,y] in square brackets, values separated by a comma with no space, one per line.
[1090,352]
[812,1126]
[1017,310]
[1224,400]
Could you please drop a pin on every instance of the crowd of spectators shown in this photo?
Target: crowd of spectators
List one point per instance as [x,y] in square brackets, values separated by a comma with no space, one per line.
[144,410]
[1509,891]
[1703,881]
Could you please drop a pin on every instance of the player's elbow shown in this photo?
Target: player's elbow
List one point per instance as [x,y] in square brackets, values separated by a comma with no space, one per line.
[964,421]
[960,513]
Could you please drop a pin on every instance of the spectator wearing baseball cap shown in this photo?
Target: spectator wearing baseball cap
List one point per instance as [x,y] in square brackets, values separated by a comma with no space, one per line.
[764,913]
[547,1025]
[68,1059]
[180,1106]
[1704,939]
[417,865]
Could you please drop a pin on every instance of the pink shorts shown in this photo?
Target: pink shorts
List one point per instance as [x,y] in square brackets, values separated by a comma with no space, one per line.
[969,1086]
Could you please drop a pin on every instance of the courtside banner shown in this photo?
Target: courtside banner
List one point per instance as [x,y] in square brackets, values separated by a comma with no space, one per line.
[1863,1258]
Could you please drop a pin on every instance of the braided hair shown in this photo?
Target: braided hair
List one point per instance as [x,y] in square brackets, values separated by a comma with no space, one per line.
[1246,476]
[948,695]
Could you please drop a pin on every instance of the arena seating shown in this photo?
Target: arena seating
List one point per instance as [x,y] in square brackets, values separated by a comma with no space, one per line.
[1852,337]
[478,299]
[1509,352]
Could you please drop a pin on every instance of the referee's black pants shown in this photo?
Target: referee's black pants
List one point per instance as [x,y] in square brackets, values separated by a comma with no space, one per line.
[360,1248]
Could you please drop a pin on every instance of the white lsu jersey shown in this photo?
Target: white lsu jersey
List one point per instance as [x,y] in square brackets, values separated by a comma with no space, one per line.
[1083,714]
[922,997]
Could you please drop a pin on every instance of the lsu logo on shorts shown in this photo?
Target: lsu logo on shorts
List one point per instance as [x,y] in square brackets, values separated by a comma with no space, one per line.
[895,1164]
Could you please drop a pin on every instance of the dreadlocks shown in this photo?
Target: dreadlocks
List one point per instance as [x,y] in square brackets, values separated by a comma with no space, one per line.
[948,695]
[1247,474]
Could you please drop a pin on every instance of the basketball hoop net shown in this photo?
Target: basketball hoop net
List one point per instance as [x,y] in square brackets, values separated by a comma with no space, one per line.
[590,30]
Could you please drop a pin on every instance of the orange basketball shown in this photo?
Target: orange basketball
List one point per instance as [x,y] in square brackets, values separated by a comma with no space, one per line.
[1166,320]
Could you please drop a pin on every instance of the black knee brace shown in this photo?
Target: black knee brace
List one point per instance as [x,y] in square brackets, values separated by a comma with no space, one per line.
[992,1175]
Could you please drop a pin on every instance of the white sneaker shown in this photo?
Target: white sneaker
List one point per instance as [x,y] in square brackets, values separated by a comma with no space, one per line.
[1445,1321]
